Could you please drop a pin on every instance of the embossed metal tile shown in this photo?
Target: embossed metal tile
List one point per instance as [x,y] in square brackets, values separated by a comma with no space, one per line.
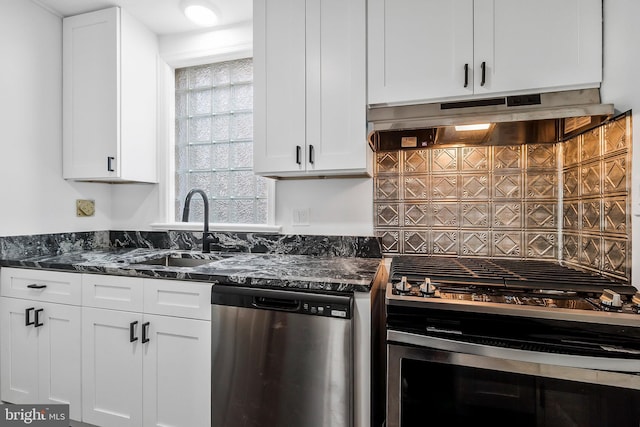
[416,215]
[475,214]
[507,215]
[416,161]
[388,162]
[541,245]
[416,187]
[508,244]
[542,185]
[590,180]
[387,188]
[571,182]
[445,242]
[541,215]
[509,157]
[475,158]
[444,159]
[615,175]
[507,186]
[590,251]
[615,135]
[444,187]
[387,215]
[571,150]
[475,243]
[415,242]
[475,186]
[615,215]
[541,156]
[570,216]
[615,256]
[591,145]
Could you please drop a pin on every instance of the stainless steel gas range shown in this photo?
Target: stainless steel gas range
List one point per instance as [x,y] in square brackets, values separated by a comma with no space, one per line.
[527,343]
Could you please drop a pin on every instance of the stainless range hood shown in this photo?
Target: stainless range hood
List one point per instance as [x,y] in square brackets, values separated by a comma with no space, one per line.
[535,118]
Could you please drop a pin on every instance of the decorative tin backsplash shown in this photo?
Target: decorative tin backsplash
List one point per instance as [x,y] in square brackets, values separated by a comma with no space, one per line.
[536,201]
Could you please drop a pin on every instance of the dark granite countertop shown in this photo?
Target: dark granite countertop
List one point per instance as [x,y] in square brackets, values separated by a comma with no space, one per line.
[320,273]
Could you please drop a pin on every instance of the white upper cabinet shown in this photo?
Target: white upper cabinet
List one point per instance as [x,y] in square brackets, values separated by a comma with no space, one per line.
[428,50]
[109,98]
[310,88]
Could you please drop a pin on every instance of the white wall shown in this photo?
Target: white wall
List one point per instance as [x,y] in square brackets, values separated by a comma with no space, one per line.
[620,87]
[33,196]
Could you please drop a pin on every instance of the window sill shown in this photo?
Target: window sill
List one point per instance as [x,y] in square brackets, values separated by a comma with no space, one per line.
[198,226]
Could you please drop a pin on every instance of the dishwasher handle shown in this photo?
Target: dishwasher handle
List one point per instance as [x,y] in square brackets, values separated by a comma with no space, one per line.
[281,304]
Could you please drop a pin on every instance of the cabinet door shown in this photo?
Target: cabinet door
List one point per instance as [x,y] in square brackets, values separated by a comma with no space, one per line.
[177,372]
[91,100]
[336,87]
[533,45]
[418,50]
[59,353]
[279,82]
[111,368]
[19,351]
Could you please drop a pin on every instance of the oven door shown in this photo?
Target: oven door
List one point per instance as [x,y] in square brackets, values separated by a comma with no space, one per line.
[441,382]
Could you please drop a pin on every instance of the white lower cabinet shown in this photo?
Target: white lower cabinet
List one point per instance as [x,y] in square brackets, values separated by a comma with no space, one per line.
[39,341]
[143,369]
[120,351]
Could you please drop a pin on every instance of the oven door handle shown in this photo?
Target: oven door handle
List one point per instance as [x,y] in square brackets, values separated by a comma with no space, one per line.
[451,344]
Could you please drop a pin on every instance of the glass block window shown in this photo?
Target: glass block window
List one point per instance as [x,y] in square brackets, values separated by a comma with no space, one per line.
[214,143]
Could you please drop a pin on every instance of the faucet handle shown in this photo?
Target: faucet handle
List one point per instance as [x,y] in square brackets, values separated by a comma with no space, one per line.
[207,239]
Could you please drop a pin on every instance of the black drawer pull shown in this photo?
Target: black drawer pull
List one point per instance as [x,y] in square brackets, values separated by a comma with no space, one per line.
[145,331]
[483,66]
[109,165]
[466,75]
[298,154]
[28,322]
[132,331]
[37,320]
[34,286]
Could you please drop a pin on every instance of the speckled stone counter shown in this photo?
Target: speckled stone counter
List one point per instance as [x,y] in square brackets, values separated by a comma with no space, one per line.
[335,273]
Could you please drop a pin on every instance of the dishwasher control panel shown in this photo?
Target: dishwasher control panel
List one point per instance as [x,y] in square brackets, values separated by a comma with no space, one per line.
[329,310]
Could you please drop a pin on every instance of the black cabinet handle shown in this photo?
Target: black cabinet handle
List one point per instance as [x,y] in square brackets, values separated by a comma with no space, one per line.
[37,318]
[312,154]
[28,322]
[145,331]
[35,286]
[132,331]
[483,67]
[298,153]
[466,75]
[109,165]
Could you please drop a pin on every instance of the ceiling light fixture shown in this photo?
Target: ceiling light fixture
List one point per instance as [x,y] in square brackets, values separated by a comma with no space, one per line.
[480,126]
[200,12]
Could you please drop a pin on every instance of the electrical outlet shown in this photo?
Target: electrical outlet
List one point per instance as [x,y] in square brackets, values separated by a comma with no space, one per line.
[85,207]
[300,217]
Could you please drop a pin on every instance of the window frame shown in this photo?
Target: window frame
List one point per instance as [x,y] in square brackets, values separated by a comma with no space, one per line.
[166,152]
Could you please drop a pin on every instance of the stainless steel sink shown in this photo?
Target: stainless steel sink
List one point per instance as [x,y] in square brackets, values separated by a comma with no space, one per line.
[179,261]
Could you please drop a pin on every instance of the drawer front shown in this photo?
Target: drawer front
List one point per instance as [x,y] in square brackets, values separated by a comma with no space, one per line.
[112,292]
[177,298]
[41,285]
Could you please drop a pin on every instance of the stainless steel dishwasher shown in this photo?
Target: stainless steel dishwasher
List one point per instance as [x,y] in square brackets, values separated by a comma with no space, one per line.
[281,358]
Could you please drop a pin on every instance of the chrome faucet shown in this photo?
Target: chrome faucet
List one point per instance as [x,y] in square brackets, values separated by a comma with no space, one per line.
[207,237]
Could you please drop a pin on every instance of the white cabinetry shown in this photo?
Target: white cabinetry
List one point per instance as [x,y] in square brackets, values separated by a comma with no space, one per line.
[109,98]
[147,361]
[427,50]
[310,88]
[40,338]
